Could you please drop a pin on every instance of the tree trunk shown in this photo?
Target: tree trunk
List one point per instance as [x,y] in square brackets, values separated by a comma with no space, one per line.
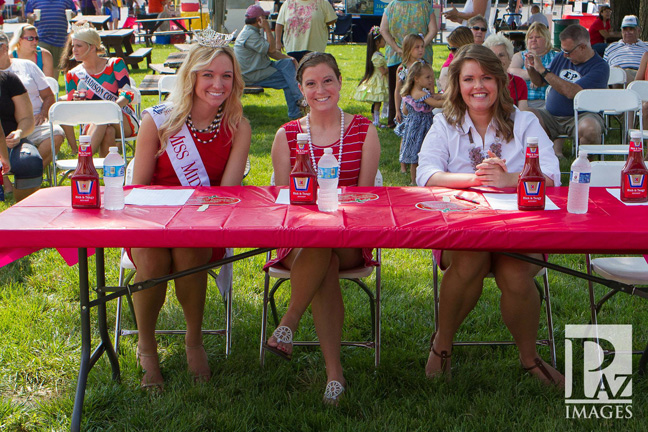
[621,8]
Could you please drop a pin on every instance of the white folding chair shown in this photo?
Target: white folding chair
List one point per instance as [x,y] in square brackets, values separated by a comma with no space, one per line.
[54,85]
[354,275]
[127,272]
[607,102]
[165,85]
[641,88]
[617,76]
[544,293]
[73,113]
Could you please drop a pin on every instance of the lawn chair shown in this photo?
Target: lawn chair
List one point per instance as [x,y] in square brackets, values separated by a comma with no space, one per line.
[165,85]
[74,113]
[343,30]
[127,273]
[544,293]
[641,88]
[607,102]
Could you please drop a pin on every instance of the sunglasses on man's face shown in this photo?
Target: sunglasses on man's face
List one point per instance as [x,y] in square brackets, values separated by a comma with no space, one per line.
[30,38]
[477,28]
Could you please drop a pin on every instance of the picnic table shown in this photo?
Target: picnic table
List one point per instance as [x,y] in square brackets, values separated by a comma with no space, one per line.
[175,59]
[151,26]
[118,44]
[100,22]
[183,46]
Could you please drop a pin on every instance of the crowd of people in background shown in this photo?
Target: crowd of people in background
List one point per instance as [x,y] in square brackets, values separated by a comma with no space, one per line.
[467,128]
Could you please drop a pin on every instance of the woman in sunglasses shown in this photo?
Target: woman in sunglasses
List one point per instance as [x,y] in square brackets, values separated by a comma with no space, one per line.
[456,39]
[24,45]
[479,28]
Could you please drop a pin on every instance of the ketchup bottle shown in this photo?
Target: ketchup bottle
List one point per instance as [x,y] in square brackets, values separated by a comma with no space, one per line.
[634,173]
[85,180]
[531,184]
[303,178]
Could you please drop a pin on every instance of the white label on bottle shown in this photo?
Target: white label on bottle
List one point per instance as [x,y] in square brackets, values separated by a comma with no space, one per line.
[579,177]
[327,173]
[114,171]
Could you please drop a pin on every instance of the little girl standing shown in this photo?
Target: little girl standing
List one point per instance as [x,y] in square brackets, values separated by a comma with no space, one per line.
[374,86]
[418,103]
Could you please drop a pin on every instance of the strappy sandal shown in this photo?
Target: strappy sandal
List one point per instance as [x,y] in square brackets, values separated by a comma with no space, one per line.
[333,393]
[537,363]
[200,376]
[284,335]
[444,355]
[149,386]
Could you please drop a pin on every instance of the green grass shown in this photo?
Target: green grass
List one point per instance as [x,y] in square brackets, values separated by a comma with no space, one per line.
[40,345]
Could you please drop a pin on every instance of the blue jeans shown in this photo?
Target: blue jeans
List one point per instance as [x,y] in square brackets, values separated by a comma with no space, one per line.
[285,79]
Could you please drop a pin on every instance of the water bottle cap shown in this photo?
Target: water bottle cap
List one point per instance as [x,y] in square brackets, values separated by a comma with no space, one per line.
[302,137]
[328,150]
[113,150]
[84,138]
[582,153]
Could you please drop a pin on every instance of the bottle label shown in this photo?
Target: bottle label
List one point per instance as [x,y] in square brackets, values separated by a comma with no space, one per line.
[113,171]
[532,152]
[579,177]
[301,147]
[531,194]
[327,173]
[636,146]
[85,193]
[634,186]
[85,150]
[302,189]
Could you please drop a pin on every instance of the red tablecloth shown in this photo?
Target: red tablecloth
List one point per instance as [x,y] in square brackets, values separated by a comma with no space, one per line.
[46,219]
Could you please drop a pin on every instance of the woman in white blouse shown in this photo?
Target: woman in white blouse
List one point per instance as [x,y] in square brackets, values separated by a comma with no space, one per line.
[479,140]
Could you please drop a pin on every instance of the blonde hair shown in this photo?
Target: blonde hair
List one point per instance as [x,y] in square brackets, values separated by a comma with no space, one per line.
[90,36]
[198,59]
[15,40]
[541,30]
[413,72]
[408,44]
[454,107]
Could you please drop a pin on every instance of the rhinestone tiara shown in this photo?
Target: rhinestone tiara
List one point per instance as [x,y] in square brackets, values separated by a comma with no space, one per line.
[213,39]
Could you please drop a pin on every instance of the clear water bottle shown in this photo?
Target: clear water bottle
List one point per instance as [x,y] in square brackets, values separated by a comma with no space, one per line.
[82,89]
[328,174]
[114,180]
[579,183]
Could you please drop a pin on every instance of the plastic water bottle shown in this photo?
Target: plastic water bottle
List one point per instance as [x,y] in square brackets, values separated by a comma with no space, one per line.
[579,183]
[82,89]
[328,174]
[114,180]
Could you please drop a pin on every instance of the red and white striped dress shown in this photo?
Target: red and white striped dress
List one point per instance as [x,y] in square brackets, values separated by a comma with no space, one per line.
[354,138]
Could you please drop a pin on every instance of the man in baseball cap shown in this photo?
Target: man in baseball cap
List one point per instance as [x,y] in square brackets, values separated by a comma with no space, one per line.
[253,53]
[627,52]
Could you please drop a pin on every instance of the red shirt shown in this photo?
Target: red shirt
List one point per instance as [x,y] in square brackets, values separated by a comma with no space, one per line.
[595,30]
[518,89]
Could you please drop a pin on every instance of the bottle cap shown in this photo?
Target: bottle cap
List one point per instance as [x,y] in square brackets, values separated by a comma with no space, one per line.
[636,134]
[302,137]
[328,150]
[113,150]
[84,138]
[582,153]
[532,140]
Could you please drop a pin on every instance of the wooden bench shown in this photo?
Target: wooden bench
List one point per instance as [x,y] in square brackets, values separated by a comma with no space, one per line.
[149,85]
[139,55]
[160,68]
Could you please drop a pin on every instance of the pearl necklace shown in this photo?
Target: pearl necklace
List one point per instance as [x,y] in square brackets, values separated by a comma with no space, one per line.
[213,128]
[310,141]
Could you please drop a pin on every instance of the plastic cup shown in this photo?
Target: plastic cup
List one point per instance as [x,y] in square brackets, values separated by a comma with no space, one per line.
[37,14]
[68,14]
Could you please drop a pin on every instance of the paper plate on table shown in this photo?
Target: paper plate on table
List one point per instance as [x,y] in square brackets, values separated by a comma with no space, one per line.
[356,197]
[443,206]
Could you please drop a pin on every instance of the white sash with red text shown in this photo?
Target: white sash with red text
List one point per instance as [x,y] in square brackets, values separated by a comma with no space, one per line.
[182,151]
[101,91]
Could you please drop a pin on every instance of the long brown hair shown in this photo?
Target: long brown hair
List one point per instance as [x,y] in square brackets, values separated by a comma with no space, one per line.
[454,107]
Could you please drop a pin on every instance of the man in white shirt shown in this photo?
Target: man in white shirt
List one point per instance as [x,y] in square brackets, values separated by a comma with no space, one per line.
[627,52]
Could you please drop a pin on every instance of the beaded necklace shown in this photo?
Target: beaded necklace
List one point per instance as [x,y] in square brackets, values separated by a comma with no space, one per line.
[310,142]
[213,128]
